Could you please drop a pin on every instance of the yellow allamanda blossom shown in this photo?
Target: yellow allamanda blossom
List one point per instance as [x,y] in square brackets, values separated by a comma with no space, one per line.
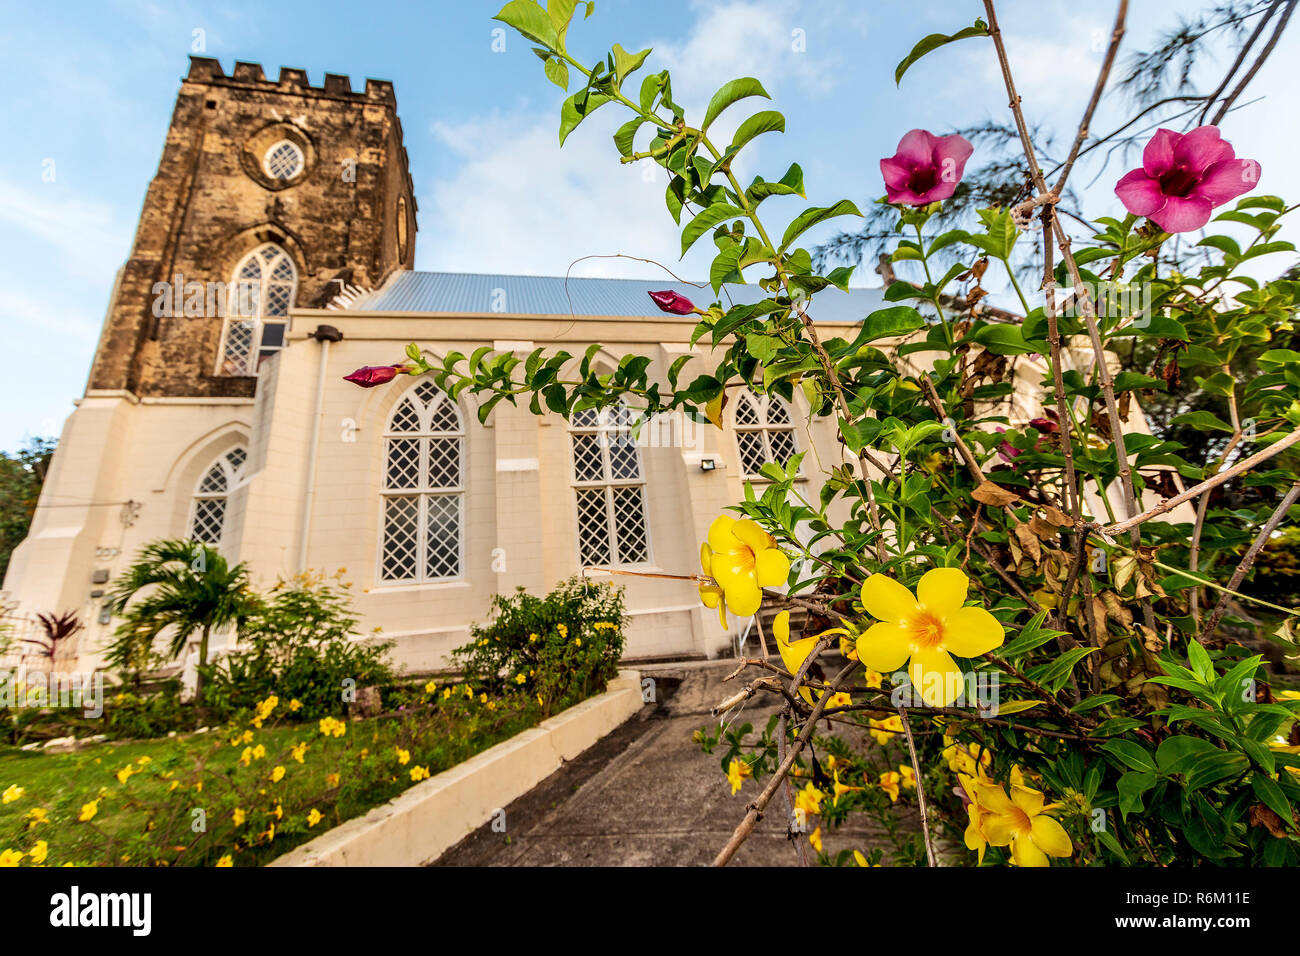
[238,816]
[927,628]
[967,759]
[1022,821]
[737,772]
[298,751]
[815,838]
[403,756]
[124,774]
[809,799]
[742,559]
[11,857]
[277,774]
[37,815]
[884,729]
[873,678]
[314,817]
[841,789]
[890,782]
[419,773]
[794,653]
[332,727]
[331,780]
[12,792]
[226,861]
[40,850]
[88,811]
[907,776]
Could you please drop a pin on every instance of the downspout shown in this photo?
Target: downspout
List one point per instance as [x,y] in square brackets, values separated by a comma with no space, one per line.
[324,334]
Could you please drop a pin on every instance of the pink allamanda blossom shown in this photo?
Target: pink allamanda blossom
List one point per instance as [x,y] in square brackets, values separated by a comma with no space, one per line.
[671,302]
[926,168]
[1184,176]
[371,375]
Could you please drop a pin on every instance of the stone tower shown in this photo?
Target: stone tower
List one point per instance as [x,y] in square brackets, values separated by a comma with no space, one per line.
[317,173]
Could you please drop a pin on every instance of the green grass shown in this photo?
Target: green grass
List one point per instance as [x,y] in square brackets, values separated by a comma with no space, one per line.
[365,758]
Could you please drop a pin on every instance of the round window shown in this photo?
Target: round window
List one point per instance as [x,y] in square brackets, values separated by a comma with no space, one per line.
[283,161]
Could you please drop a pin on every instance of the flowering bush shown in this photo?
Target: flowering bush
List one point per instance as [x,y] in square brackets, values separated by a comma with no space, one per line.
[559,649]
[1070,696]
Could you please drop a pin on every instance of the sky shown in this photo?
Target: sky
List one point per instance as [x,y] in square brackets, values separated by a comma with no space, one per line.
[91,86]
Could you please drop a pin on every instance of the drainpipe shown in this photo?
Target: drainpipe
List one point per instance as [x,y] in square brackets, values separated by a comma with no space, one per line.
[324,334]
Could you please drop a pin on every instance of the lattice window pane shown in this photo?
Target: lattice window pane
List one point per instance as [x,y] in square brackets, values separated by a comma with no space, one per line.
[746,413]
[279,295]
[587,418]
[777,413]
[399,561]
[403,466]
[629,520]
[782,445]
[426,392]
[214,482]
[442,536]
[624,463]
[252,269]
[587,463]
[237,457]
[752,455]
[283,271]
[406,418]
[284,161]
[239,347]
[593,527]
[444,462]
[445,418]
[209,519]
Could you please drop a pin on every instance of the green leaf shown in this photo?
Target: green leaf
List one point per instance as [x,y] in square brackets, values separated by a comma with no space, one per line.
[791,184]
[626,136]
[812,217]
[627,63]
[726,267]
[1271,794]
[1131,787]
[530,20]
[557,71]
[1000,233]
[577,108]
[1202,421]
[1135,756]
[730,93]
[933,42]
[1004,339]
[896,320]
[768,121]
[706,220]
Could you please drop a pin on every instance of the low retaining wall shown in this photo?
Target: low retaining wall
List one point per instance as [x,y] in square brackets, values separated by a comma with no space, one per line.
[435,814]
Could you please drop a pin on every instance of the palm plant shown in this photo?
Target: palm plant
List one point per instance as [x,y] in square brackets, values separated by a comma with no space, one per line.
[184,586]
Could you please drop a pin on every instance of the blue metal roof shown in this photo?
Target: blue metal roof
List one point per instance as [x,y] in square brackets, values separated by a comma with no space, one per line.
[460,293]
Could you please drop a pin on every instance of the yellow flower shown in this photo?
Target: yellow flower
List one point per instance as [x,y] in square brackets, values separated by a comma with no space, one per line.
[809,799]
[794,653]
[40,850]
[873,678]
[145,760]
[332,727]
[1024,822]
[314,817]
[295,704]
[840,789]
[890,783]
[277,774]
[737,771]
[331,780]
[298,751]
[908,776]
[859,859]
[239,817]
[226,861]
[520,678]
[966,759]
[884,729]
[815,838]
[419,773]
[88,811]
[742,559]
[279,812]
[928,629]
[403,756]
[259,752]
[245,738]
[11,857]
[532,638]
[430,687]
[124,774]
[563,629]
[482,698]
[446,692]
[12,792]
[37,815]
[577,641]
[839,700]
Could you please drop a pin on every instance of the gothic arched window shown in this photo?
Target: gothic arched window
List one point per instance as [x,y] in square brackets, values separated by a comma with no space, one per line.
[261,293]
[423,489]
[764,432]
[610,488]
[208,512]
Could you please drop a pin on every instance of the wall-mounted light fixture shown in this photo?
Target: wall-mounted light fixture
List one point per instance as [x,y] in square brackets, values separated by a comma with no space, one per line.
[707,464]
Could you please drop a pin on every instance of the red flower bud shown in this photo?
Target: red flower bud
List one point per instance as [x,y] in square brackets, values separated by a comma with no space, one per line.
[371,375]
[673,303]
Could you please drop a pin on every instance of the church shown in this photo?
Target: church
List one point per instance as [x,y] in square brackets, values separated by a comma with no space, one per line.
[273,257]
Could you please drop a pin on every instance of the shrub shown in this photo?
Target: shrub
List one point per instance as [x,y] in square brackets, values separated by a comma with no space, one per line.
[561,648]
[298,646]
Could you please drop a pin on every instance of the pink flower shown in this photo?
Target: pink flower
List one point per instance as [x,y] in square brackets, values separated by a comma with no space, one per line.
[926,167]
[371,375]
[671,302]
[1184,176]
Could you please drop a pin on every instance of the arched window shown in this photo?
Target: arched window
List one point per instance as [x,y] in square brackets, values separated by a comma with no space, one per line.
[610,488]
[764,432]
[208,513]
[261,294]
[423,489]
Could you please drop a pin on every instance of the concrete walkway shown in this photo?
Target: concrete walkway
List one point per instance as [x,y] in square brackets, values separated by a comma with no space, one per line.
[647,795]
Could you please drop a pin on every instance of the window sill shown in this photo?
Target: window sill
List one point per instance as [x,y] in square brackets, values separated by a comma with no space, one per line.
[448,585]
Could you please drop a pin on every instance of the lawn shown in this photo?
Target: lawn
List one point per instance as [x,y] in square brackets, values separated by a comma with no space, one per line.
[237,795]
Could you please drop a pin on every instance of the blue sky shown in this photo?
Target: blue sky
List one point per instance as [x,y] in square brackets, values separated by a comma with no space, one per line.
[91,88]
